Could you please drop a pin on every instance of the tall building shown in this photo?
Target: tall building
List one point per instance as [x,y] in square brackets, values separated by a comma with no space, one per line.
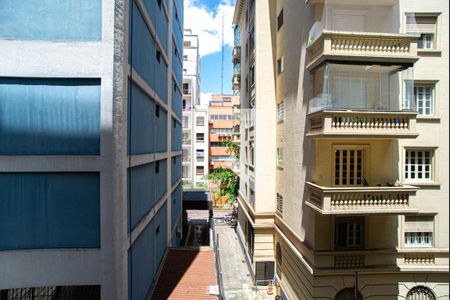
[344,132]
[224,115]
[90,152]
[195,116]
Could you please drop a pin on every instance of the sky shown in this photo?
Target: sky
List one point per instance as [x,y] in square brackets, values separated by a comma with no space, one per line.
[204,17]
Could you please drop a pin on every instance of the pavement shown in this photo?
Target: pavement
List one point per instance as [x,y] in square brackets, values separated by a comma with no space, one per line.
[237,280]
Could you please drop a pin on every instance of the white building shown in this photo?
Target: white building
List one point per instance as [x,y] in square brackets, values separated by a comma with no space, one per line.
[195,116]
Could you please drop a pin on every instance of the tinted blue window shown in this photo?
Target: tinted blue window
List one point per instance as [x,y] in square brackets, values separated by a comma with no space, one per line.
[161,234]
[51,19]
[161,180]
[41,116]
[177,65]
[178,24]
[177,102]
[145,58]
[49,210]
[161,132]
[141,121]
[176,168]
[159,20]
[141,191]
[176,205]
[176,135]
[143,262]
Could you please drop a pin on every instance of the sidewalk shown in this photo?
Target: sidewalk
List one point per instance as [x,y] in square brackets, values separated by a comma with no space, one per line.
[237,280]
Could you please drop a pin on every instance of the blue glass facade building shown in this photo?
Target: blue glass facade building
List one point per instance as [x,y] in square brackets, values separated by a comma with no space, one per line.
[90,142]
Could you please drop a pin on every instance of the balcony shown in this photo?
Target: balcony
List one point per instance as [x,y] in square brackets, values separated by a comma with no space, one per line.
[363,46]
[360,200]
[431,259]
[362,124]
[236,82]
[236,54]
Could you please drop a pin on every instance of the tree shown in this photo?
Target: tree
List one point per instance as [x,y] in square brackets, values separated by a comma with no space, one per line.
[228,182]
[232,148]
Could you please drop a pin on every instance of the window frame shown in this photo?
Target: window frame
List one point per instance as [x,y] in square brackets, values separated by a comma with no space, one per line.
[425,84]
[433,173]
[364,164]
[348,221]
[435,41]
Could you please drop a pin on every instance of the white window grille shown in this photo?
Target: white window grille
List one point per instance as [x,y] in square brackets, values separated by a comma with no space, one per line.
[280,112]
[419,164]
[418,232]
[280,204]
[349,166]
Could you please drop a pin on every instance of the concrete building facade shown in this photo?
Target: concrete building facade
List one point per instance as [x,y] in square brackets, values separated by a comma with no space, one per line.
[344,130]
[195,116]
[90,152]
[224,115]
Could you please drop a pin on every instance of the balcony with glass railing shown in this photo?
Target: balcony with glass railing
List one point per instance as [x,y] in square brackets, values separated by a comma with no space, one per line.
[362,101]
[359,30]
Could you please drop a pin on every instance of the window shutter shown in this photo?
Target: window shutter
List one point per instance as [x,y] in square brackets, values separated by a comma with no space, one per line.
[421,24]
[418,224]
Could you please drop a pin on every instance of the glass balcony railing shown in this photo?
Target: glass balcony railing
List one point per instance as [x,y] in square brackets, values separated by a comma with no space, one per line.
[361,30]
[362,87]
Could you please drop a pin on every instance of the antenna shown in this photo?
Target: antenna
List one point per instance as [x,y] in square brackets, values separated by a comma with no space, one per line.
[223,50]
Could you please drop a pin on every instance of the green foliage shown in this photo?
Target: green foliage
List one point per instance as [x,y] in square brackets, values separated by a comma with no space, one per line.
[228,182]
[232,148]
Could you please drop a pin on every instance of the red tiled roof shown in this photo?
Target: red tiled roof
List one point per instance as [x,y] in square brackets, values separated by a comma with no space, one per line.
[186,275]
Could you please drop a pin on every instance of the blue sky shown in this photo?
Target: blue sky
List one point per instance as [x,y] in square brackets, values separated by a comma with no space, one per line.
[204,17]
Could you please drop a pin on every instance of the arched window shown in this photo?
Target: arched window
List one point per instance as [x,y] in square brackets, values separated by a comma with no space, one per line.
[420,293]
[347,294]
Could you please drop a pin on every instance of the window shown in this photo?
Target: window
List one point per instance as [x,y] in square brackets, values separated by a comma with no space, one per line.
[185,121]
[157,110]
[420,293]
[349,166]
[280,156]
[200,170]
[426,27]
[348,233]
[184,104]
[185,57]
[280,204]
[280,19]
[252,75]
[158,56]
[280,112]
[280,65]
[187,44]
[200,121]
[252,154]
[200,153]
[157,167]
[159,3]
[174,123]
[424,99]
[200,137]
[174,160]
[186,89]
[419,164]
[418,232]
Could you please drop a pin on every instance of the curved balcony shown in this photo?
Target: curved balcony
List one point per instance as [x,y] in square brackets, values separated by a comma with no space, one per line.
[236,54]
[236,82]
[360,200]
[360,124]
[362,47]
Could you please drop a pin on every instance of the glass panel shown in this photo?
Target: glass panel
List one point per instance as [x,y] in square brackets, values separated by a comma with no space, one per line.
[368,87]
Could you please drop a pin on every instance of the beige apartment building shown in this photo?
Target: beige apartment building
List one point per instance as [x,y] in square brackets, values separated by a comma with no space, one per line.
[224,114]
[344,146]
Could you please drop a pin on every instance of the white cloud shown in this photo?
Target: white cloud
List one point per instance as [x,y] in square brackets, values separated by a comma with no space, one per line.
[208,24]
